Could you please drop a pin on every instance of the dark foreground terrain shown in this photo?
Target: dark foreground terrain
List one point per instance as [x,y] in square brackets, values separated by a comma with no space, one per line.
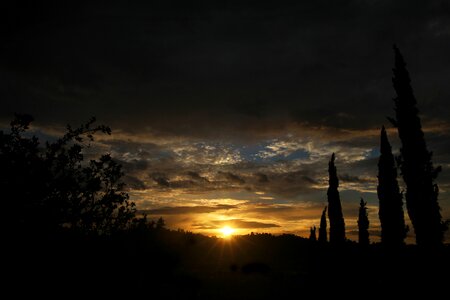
[164,264]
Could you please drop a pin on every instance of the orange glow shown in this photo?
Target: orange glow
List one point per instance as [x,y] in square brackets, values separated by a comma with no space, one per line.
[227,231]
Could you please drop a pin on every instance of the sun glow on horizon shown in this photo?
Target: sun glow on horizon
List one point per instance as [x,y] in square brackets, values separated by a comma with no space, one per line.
[227,231]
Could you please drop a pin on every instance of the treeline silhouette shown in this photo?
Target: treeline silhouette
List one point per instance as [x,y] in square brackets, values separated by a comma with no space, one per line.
[71,230]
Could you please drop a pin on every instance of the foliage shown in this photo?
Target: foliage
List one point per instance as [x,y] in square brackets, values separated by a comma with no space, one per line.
[160,224]
[53,187]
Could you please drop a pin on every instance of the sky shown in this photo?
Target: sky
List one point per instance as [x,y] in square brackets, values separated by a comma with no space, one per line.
[227,112]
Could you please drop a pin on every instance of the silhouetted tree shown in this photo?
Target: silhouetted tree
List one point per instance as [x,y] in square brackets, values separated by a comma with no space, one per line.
[337,225]
[393,229]
[160,224]
[323,227]
[53,187]
[152,224]
[363,224]
[415,162]
[312,234]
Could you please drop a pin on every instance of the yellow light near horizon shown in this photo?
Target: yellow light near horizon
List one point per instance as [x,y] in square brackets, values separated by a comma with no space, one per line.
[227,231]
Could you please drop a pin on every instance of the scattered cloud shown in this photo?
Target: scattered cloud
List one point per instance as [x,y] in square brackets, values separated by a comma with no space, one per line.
[232,177]
[179,210]
[235,223]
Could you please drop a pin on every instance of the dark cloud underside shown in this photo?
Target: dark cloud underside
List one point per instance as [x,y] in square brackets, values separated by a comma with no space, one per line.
[202,62]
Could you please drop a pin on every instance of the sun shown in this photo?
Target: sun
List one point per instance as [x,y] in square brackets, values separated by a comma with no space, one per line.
[227,231]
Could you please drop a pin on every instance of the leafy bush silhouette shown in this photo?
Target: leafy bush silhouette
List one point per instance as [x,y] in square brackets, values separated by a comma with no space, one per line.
[52,187]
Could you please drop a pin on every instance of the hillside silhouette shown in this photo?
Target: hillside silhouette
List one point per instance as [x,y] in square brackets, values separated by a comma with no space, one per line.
[182,265]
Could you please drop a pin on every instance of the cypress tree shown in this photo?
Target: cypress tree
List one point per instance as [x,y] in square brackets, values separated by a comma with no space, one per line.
[363,224]
[160,224]
[323,227]
[393,229]
[312,234]
[415,162]
[337,225]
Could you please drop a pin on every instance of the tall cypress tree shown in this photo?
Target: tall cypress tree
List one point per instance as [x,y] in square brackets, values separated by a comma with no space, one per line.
[363,224]
[393,229]
[337,225]
[415,162]
[323,227]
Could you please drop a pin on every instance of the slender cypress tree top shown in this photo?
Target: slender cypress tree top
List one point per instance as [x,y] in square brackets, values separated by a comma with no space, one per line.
[337,225]
[363,224]
[401,79]
[333,179]
[393,229]
[323,226]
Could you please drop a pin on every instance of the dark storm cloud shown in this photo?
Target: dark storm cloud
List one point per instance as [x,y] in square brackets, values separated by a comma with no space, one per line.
[362,142]
[351,178]
[299,176]
[439,143]
[134,165]
[262,178]
[192,181]
[233,178]
[289,213]
[359,171]
[282,177]
[247,224]
[161,179]
[190,68]
[286,183]
[196,176]
[134,183]
[291,184]
[272,209]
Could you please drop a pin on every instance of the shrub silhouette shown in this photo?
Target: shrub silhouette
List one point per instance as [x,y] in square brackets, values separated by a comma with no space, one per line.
[53,187]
